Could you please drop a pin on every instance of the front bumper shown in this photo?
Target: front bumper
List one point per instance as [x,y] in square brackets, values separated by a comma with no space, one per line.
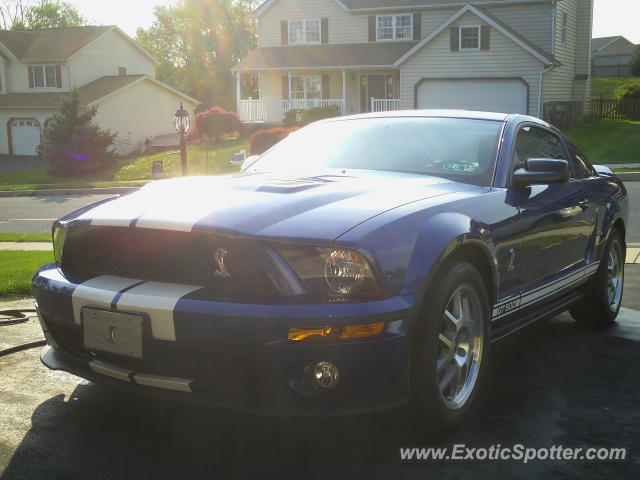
[229,354]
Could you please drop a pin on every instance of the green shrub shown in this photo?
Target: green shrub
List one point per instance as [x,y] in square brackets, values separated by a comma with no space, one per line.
[216,122]
[74,145]
[263,140]
[630,94]
[305,117]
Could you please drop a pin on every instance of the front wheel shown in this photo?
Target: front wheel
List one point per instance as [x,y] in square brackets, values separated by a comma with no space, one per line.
[602,303]
[451,346]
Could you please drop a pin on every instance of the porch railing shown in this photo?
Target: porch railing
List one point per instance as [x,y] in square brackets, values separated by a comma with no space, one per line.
[385,104]
[272,111]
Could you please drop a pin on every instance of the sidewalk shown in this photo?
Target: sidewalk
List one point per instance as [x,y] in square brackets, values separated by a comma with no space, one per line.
[41,246]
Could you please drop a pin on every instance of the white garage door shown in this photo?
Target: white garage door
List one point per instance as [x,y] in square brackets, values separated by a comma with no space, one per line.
[25,137]
[505,96]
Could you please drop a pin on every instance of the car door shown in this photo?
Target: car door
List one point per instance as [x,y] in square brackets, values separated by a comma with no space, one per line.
[555,219]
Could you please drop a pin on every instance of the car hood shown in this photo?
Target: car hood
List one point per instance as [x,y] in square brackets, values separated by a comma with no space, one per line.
[322,205]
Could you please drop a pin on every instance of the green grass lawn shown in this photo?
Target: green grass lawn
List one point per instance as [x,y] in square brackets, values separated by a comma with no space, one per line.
[25,237]
[608,141]
[606,87]
[16,270]
[203,160]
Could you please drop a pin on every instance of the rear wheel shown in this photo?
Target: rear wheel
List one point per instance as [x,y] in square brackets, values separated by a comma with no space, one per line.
[450,347]
[604,291]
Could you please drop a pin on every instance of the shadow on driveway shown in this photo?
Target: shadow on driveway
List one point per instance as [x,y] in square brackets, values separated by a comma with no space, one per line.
[15,163]
[555,383]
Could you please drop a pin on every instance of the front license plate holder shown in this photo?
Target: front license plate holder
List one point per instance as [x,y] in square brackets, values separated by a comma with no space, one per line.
[108,331]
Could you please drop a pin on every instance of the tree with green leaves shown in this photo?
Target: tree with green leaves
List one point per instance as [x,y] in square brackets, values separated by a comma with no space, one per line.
[47,14]
[197,43]
[72,143]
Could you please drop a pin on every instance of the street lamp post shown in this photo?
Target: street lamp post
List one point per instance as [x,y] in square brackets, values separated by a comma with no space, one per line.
[182,121]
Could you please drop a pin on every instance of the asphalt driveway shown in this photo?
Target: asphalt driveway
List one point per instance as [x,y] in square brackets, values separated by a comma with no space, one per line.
[15,163]
[555,383]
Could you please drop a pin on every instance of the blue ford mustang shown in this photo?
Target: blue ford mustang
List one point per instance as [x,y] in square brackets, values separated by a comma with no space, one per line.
[363,263]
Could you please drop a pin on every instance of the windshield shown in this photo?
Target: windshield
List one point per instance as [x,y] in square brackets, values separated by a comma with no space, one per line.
[458,149]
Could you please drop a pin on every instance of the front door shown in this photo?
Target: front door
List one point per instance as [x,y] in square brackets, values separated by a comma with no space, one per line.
[374,86]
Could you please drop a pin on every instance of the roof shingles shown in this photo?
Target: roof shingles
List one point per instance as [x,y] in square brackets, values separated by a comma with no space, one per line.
[50,44]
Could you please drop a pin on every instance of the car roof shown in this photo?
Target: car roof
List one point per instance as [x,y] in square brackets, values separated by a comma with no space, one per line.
[462,114]
[432,113]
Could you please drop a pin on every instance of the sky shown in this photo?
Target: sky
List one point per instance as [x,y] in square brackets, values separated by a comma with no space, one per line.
[611,17]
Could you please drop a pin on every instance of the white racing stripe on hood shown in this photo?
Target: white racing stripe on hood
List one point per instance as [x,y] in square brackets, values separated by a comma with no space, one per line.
[98,292]
[158,301]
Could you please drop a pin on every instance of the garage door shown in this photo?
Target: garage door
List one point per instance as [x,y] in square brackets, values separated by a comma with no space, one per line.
[505,96]
[25,137]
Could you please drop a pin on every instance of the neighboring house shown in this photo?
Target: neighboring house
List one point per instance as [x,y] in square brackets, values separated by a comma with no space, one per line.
[612,56]
[108,67]
[364,55]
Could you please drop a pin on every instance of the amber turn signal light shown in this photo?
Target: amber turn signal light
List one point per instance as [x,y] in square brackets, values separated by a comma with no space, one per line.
[345,332]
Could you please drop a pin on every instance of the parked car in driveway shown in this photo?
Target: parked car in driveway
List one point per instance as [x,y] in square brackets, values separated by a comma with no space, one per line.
[362,263]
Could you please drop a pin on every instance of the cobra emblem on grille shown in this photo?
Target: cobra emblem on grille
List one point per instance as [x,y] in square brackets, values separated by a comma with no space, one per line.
[112,333]
[221,271]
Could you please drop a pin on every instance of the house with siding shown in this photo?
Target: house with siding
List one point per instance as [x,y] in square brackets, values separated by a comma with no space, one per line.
[510,56]
[611,56]
[110,70]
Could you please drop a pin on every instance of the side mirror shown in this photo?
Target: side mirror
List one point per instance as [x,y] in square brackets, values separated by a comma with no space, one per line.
[542,171]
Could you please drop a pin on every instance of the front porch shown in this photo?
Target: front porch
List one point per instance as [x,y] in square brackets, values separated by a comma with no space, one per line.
[351,91]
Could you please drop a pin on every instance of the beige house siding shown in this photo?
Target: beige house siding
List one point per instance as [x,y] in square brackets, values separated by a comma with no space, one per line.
[504,59]
[343,26]
[152,115]
[582,88]
[558,84]
[23,113]
[17,78]
[532,21]
[105,55]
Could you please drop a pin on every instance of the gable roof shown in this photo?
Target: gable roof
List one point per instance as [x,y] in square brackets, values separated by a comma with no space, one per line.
[55,44]
[503,28]
[614,46]
[90,93]
[325,56]
[372,5]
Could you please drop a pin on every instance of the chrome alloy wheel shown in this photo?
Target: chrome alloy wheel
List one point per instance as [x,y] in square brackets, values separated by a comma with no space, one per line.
[615,276]
[460,342]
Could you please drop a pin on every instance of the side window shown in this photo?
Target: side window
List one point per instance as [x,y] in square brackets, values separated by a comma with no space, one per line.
[579,163]
[533,142]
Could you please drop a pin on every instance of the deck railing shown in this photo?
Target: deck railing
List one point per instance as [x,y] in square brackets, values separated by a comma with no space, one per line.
[385,104]
[272,111]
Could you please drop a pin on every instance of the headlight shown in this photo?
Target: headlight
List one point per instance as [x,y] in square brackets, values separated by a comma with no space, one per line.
[334,274]
[59,236]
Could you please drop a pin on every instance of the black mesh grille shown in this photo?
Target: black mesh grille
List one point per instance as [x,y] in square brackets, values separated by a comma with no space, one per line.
[164,256]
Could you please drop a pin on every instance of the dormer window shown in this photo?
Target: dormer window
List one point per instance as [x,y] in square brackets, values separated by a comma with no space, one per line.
[304,31]
[45,76]
[394,27]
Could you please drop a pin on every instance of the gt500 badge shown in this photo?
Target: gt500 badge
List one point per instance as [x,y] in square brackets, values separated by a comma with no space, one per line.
[221,271]
[506,308]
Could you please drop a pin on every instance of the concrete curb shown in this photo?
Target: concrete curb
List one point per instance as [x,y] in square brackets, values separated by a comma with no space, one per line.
[68,191]
[629,176]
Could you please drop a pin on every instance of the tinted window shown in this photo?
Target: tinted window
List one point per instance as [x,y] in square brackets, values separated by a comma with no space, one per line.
[580,165]
[533,142]
[459,149]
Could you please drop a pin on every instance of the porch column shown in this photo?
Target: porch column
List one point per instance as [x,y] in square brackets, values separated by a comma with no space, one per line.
[344,92]
[238,95]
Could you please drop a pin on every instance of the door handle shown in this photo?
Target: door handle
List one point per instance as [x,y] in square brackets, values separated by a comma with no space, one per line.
[584,204]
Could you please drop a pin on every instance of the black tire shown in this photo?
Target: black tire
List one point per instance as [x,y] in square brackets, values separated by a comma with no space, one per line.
[428,401]
[596,310]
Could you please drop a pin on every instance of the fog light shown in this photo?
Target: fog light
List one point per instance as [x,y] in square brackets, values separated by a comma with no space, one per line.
[326,375]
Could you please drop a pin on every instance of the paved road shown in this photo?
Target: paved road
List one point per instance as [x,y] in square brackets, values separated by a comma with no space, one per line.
[36,214]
